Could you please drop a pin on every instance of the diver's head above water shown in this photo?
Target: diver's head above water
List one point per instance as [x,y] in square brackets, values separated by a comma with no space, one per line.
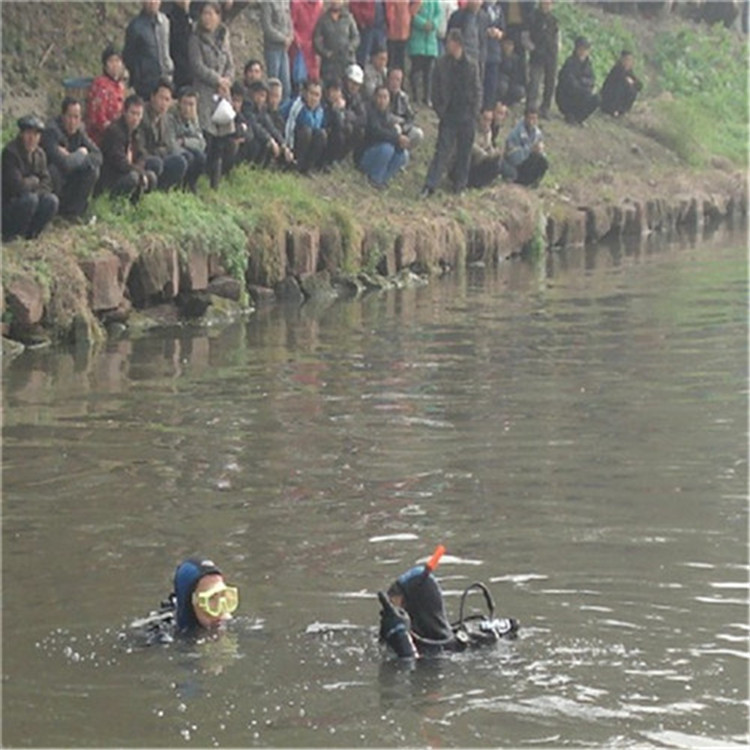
[418,592]
[204,600]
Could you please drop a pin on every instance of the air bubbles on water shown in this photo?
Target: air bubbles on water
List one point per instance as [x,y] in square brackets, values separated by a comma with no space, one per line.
[185,734]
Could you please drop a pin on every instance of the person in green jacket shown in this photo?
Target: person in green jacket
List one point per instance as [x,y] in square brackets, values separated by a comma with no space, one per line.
[423,47]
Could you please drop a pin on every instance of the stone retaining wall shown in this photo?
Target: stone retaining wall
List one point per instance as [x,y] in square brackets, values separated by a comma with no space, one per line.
[295,263]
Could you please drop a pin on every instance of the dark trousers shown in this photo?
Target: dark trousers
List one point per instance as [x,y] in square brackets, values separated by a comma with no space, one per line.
[74,188]
[542,73]
[421,66]
[134,184]
[532,170]
[489,85]
[196,166]
[370,37]
[169,170]
[397,54]
[509,93]
[28,214]
[452,137]
[309,148]
[340,143]
[484,172]
[220,156]
[576,107]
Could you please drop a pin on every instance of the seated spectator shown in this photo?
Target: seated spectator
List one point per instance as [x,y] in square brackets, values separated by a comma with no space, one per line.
[124,160]
[183,136]
[146,53]
[376,72]
[620,87]
[253,71]
[270,140]
[305,129]
[575,85]
[170,168]
[524,161]
[385,149]
[499,115]
[339,129]
[511,86]
[106,95]
[486,158]
[356,111]
[28,201]
[401,108]
[275,103]
[74,159]
[244,146]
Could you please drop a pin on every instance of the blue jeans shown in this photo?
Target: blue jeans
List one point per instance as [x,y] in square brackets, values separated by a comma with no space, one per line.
[277,66]
[381,161]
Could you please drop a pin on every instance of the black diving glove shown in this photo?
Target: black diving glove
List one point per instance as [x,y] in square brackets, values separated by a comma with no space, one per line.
[395,626]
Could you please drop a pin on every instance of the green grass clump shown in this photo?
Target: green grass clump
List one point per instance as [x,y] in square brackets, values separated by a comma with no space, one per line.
[705,71]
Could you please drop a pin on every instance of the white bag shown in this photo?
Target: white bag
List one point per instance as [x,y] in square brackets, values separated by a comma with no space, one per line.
[224,113]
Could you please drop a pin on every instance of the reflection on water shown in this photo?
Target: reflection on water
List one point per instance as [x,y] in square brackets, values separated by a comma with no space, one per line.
[575,434]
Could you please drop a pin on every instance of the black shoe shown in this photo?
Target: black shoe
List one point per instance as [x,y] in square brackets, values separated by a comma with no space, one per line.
[426,192]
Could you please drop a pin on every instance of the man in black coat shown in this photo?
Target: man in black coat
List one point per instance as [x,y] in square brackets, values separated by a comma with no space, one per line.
[74,159]
[575,94]
[456,97]
[146,54]
[28,201]
[621,86]
[511,87]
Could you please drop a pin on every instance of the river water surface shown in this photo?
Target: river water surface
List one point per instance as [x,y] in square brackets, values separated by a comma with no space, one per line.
[575,435]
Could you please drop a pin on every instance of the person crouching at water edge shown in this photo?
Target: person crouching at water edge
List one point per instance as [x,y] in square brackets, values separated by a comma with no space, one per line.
[414,623]
[200,602]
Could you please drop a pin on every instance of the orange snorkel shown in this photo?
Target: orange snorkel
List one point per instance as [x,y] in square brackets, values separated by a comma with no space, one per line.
[432,563]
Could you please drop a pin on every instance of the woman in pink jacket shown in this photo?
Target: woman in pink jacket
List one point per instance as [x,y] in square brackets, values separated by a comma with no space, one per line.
[305,15]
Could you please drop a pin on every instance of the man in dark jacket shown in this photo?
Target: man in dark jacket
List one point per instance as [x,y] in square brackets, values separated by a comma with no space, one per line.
[170,167]
[545,38]
[621,86]
[510,81]
[180,28]
[335,39]
[472,22]
[28,201]
[401,108]
[385,147]
[456,97]
[74,159]
[269,139]
[146,54]
[124,167]
[494,53]
[355,113]
[575,85]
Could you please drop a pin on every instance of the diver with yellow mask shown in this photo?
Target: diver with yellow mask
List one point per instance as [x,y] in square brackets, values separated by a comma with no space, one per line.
[201,601]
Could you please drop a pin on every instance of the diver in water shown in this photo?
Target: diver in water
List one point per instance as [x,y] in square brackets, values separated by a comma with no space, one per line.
[413,620]
[200,601]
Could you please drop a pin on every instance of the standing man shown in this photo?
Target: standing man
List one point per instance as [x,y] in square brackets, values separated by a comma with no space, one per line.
[336,39]
[28,201]
[276,22]
[575,85]
[472,22]
[544,33]
[370,18]
[146,54]
[74,159]
[456,97]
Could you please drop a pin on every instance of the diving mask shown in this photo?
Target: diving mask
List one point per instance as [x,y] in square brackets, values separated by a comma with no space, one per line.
[219,600]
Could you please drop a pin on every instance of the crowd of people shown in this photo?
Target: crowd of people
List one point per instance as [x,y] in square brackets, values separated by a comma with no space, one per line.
[172,106]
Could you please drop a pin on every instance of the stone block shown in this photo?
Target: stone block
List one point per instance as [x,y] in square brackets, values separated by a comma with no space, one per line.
[288,290]
[303,251]
[25,300]
[262,296]
[194,272]
[598,222]
[105,285]
[405,247]
[215,266]
[225,286]
[155,277]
